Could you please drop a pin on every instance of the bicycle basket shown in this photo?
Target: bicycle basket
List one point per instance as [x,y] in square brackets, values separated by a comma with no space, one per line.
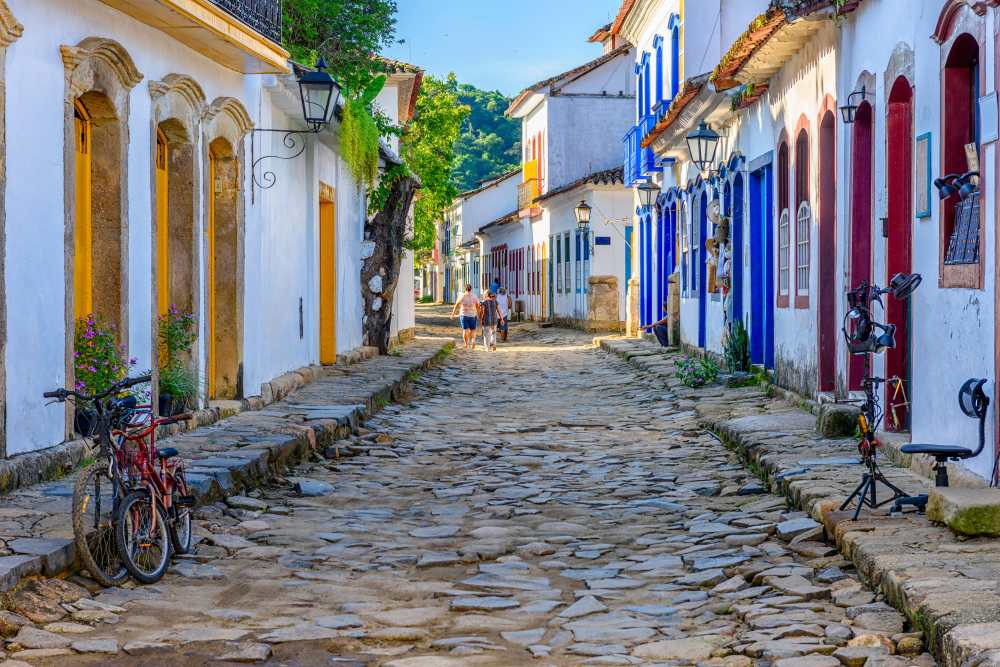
[131,459]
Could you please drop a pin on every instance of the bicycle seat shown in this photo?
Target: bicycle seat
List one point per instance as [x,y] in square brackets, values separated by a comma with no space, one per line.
[947,451]
[123,403]
[167,453]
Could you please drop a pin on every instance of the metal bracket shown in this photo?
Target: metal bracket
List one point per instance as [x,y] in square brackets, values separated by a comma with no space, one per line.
[290,141]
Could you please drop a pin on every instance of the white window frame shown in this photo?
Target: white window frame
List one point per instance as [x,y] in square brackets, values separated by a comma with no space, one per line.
[784,242]
[803,228]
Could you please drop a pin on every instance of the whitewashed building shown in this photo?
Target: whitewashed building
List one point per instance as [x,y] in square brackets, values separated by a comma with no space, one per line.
[156,118]
[817,205]
[568,128]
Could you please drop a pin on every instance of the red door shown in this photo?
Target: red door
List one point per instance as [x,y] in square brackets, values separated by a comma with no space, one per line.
[861,218]
[827,307]
[899,165]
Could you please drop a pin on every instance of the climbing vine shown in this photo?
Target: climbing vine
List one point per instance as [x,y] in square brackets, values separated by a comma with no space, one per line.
[359,142]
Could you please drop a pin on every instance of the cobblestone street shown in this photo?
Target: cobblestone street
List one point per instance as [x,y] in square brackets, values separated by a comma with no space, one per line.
[543,504]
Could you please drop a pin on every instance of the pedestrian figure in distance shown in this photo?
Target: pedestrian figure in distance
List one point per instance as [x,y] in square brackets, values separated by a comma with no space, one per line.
[469,306]
[491,316]
[494,287]
[503,299]
[660,331]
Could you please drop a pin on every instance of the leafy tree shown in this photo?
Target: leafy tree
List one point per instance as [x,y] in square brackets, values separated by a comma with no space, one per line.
[490,142]
[429,147]
[348,33]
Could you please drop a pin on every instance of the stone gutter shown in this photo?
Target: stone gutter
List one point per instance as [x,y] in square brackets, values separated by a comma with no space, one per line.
[946,586]
[310,410]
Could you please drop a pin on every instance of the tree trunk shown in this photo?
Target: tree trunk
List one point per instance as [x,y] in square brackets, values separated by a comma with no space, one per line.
[382,253]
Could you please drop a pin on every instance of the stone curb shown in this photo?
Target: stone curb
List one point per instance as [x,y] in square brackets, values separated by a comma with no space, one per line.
[226,474]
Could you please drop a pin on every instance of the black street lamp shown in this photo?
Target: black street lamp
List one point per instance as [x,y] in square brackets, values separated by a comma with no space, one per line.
[320,94]
[648,192]
[702,144]
[318,90]
[582,215]
[849,111]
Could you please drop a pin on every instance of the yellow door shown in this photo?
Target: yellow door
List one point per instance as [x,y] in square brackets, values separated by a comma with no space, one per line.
[82,262]
[162,254]
[213,187]
[327,281]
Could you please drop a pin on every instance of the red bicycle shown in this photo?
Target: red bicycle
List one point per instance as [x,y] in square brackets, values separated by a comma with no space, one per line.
[154,518]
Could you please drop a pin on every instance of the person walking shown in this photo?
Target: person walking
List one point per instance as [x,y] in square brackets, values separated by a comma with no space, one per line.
[469,306]
[503,299]
[491,317]
[660,331]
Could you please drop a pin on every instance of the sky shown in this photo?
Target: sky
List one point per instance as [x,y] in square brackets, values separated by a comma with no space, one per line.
[503,45]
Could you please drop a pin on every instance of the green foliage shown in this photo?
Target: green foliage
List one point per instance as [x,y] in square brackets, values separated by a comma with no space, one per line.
[490,142]
[379,195]
[427,299]
[429,150]
[696,372]
[736,348]
[348,33]
[761,378]
[178,332]
[98,360]
[359,143]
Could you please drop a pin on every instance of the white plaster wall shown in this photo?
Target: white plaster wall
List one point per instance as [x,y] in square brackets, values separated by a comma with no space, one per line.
[281,224]
[488,205]
[585,136]
[953,333]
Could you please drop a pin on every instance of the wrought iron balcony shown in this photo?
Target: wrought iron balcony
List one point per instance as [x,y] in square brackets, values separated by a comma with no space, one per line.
[264,16]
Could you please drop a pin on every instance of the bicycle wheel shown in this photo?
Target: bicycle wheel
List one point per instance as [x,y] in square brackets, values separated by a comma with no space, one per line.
[144,547]
[93,524]
[180,527]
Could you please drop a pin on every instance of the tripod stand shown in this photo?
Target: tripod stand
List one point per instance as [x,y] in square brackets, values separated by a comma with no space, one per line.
[871,415]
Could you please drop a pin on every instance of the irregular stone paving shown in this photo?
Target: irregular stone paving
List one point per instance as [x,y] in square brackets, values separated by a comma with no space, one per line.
[56,617]
[545,504]
[946,587]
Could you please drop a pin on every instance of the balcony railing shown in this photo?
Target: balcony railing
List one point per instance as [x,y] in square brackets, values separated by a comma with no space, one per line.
[527,192]
[264,16]
[631,143]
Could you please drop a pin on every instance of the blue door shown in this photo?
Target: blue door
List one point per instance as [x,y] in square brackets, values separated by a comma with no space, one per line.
[761,272]
[736,232]
[700,256]
[628,254]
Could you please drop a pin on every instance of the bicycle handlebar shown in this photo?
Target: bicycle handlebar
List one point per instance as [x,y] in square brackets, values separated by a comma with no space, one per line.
[63,394]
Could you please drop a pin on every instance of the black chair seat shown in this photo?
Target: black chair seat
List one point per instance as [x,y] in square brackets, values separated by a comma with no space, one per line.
[167,453]
[948,451]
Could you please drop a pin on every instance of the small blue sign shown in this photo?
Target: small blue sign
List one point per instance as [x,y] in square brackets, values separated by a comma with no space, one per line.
[602,240]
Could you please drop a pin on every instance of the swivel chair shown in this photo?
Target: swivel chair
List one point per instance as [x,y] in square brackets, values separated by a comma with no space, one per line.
[974,403]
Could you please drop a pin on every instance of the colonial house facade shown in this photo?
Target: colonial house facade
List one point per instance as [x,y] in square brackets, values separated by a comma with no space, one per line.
[162,121]
[835,119]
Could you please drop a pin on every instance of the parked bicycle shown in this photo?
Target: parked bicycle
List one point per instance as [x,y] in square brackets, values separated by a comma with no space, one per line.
[154,519]
[99,487]
[123,482]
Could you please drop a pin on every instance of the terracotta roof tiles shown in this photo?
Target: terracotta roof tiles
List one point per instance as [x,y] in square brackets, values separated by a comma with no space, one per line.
[613,176]
[582,69]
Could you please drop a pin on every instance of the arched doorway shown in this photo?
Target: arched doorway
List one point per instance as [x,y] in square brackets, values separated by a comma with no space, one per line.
[224,362]
[827,306]
[861,217]
[700,270]
[899,253]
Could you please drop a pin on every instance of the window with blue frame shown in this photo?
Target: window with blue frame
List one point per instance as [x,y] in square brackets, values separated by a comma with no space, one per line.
[559,276]
[675,56]
[628,253]
[658,45]
[579,264]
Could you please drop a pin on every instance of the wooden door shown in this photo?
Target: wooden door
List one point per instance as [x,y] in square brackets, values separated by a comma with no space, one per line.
[83,303]
[327,278]
[827,310]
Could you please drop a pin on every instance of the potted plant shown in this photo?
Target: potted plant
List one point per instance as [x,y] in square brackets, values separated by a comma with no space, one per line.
[99,362]
[178,385]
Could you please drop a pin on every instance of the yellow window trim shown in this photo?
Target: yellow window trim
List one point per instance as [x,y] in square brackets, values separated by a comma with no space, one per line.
[82,252]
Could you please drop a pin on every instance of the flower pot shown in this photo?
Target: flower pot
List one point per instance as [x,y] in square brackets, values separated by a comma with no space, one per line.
[170,405]
[84,422]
